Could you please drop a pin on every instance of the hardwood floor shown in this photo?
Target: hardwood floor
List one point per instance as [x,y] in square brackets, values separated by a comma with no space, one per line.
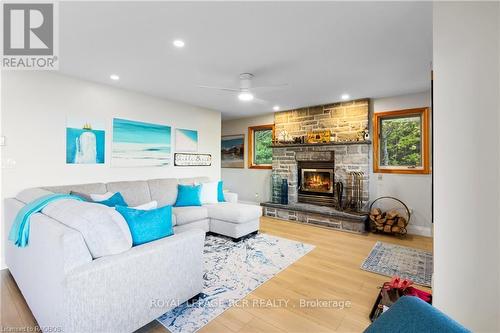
[329,272]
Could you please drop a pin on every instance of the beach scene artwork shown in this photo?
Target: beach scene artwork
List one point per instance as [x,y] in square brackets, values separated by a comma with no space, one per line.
[139,144]
[233,151]
[84,142]
[186,140]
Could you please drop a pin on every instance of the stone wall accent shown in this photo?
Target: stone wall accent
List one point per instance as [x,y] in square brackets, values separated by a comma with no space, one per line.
[345,119]
[348,157]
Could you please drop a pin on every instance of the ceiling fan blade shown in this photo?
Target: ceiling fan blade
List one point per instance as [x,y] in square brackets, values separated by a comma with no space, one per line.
[220,88]
[260,101]
[271,86]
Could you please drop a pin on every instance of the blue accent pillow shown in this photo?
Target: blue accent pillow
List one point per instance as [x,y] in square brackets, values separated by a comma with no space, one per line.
[188,195]
[220,191]
[115,200]
[147,225]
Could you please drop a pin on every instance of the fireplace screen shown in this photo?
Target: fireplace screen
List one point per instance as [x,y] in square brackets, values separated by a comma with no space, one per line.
[317,180]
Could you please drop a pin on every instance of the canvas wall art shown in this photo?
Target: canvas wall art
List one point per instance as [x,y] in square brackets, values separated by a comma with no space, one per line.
[233,151]
[85,142]
[186,140]
[139,144]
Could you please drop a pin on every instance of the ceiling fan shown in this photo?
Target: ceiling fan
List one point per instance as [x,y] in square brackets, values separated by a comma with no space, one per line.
[246,90]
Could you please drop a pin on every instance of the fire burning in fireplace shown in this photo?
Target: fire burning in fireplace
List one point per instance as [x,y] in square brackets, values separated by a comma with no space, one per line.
[317,180]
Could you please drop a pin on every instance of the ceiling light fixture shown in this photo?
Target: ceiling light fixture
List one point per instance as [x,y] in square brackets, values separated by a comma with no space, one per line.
[114,77]
[276,108]
[179,43]
[245,96]
[345,97]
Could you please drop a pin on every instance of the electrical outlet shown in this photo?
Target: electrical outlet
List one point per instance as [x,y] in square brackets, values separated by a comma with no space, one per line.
[380,176]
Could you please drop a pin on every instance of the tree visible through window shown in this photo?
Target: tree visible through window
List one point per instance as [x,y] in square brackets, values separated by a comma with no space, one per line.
[401,141]
[260,151]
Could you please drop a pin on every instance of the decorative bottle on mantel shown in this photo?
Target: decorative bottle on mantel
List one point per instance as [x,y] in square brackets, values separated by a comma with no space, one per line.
[284,191]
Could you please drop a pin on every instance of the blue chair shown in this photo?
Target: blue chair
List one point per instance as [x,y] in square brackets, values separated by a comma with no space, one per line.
[412,315]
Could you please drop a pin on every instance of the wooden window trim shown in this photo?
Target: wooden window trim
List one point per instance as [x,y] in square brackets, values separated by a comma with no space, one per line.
[424,113]
[251,131]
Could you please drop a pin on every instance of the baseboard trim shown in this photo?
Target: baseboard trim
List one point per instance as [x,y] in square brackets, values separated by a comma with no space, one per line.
[419,230]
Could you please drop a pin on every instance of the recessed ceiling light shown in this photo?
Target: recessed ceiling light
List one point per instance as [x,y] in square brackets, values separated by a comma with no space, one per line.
[114,77]
[345,96]
[245,96]
[179,43]
[276,108]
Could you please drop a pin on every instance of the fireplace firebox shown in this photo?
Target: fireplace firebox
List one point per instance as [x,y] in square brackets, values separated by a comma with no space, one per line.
[316,182]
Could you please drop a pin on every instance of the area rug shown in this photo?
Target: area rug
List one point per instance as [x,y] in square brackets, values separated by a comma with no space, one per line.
[232,271]
[406,262]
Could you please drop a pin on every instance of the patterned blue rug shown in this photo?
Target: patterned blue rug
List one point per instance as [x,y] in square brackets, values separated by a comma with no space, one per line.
[406,262]
[232,271]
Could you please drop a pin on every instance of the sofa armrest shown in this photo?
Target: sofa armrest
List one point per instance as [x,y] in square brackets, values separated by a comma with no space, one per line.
[39,269]
[123,292]
[231,197]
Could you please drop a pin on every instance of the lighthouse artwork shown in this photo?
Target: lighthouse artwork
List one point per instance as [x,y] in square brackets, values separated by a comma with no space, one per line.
[84,145]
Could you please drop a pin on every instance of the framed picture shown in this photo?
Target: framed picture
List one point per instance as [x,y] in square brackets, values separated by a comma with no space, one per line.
[192,159]
[233,151]
[186,140]
[84,142]
[138,144]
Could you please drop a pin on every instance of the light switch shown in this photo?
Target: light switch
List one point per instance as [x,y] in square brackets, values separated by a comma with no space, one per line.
[2,140]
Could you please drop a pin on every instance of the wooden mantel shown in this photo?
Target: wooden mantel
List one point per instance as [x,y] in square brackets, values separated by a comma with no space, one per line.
[366,142]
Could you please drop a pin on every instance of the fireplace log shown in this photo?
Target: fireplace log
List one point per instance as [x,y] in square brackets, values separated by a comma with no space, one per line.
[376,211]
[396,229]
[389,221]
[392,214]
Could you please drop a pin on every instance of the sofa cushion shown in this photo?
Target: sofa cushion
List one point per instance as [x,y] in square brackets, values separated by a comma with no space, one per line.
[193,180]
[104,230]
[234,212]
[135,193]
[31,194]
[163,190]
[113,201]
[185,215]
[148,225]
[209,193]
[188,195]
[83,188]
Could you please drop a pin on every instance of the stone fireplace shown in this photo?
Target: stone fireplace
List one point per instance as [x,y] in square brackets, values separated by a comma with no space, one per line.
[313,169]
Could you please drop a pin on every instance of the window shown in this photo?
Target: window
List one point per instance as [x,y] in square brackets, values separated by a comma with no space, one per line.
[260,153]
[401,141]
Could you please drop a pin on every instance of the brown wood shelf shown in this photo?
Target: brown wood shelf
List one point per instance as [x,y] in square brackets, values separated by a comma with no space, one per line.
[367,142]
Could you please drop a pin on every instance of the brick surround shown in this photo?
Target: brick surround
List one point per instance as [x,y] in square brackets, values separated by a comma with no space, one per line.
[345,119]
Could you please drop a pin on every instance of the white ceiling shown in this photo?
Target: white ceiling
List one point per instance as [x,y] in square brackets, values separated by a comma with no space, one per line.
[321,49]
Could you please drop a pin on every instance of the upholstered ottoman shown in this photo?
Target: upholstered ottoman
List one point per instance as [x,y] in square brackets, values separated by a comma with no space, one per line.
[234,220]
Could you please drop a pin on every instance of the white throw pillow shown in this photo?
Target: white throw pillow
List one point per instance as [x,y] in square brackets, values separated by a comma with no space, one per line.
[147,206]
[104,230]
[209,193]
[101,197]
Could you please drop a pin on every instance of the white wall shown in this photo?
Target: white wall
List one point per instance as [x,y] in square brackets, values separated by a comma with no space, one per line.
[466,162]
[252,185]
[414,190]
[34,110]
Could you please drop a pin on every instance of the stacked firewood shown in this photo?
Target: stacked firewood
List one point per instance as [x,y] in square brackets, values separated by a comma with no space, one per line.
[390,222]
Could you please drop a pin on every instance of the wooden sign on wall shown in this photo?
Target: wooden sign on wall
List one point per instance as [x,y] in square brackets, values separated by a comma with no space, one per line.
[186,159]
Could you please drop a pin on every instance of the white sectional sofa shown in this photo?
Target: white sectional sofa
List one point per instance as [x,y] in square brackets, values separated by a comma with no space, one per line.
[65,287]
